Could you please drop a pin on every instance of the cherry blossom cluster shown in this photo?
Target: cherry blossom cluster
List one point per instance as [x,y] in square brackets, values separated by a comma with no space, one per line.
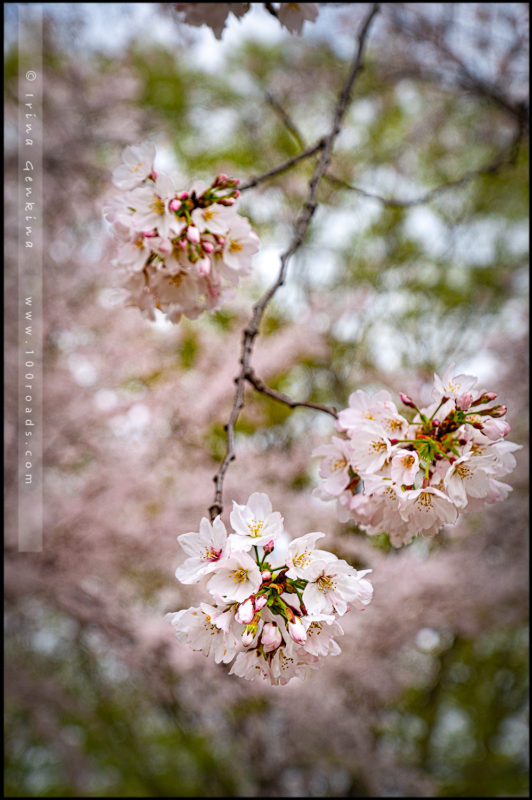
[405,475]
[275,602]
[290,15]
[177,251]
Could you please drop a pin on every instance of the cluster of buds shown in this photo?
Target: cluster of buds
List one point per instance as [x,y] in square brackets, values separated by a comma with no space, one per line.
[275,601]
[404,476]
[214,15]
[177,251]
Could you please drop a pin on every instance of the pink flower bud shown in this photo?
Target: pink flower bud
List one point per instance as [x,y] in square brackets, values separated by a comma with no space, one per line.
[193,234]
[297,631]
[222,178]
[148,234]
[266,575]
[203,266]
[183,196]
[261,601]
[268,547]
[495,428]
[174,204]
[237,193]
[235,181]
[245,612]
[270,637]
[463,401]
[435,423]
[207,247]
[153,175]
[227,201]
[498,411]
[221,240]
[182,244]
[405,399]
[487,397]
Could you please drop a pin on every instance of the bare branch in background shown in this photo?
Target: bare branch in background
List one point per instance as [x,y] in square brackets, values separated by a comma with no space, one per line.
[506,157]
[300,228]
[261,387]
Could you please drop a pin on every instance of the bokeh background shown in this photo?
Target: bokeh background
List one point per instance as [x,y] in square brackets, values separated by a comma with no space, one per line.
[429,696]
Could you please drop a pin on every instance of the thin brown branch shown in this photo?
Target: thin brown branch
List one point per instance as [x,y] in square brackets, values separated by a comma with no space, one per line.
[285,118]
[251,331]
[310,151]
[263,388]
[506,158]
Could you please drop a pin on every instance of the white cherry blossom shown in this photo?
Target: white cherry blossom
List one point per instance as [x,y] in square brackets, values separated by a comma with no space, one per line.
[137,165]
[236,578]
[334,468]
[197,627]
[254,523]
[205,549]
[332,585]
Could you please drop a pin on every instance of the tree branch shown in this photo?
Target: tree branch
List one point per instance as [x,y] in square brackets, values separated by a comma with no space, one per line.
[310,151]
[300,228]
[263,388]
[506,158]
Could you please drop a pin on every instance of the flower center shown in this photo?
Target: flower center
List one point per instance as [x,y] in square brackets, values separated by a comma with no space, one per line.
[235,247]
[239,575]
[463,471]
[408,461]
[377,446]
[325,583]
[303,558]
[157,206]
[255,526]
[424,501]
[340,463]
[210,554]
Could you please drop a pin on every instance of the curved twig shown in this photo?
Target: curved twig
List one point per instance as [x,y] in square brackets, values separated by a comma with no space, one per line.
[300,228]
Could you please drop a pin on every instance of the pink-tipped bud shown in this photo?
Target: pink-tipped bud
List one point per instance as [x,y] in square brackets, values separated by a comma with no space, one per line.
[487,397]
[406,400]
[266,575]
[221,240]
[203,266]
[236,181]
[183,196]
[208,247]
[174,204]
[182,244]
[153,175]
[495,428]
[270,637]
[394,441]
[297,631]
[237,193]
[260,601]
[221,178]
[165,247]
[268,547]
[245,612]
[498,411]
[149,234]
[464,401]
[227,201]
[435,423]
[193,234]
